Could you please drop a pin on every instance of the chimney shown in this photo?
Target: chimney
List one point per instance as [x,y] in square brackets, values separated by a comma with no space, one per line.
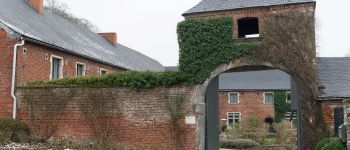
[111,37]
[37,5]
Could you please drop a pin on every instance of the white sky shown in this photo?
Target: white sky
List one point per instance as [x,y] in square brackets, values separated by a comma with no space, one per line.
[149,26]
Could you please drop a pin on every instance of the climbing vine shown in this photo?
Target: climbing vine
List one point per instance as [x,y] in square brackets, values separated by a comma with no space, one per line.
[205,44]
[281,106]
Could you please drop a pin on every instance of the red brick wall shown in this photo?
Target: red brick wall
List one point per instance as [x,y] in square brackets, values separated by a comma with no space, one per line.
[144,119]
[33,66]
[258,12]
[251,105]
[328,107]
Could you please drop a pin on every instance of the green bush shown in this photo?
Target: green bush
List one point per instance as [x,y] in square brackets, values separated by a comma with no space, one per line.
[13,131]
[129,79]
[330,144]
[280,105]
[238,144]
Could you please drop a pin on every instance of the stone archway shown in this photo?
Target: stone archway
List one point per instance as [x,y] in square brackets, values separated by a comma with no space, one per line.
[201,93]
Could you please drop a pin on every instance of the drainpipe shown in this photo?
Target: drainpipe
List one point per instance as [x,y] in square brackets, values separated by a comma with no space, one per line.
[14,112]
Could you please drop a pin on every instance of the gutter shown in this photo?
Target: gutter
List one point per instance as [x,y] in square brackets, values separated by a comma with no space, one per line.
[15,48]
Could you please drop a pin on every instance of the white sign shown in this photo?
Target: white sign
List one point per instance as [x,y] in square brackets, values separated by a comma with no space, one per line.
[190,119]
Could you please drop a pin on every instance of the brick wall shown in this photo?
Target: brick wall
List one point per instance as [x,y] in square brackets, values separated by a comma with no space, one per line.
[33,65]
[258,12]
[328,107]
[251,105]
[142,117]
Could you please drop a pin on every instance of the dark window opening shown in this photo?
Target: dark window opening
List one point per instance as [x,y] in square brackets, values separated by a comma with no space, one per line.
[248,28]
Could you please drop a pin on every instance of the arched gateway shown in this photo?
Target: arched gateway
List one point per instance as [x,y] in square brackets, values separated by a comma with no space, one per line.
[207,100]
[282,36]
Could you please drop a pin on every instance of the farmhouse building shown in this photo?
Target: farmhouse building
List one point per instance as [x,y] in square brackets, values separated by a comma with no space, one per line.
[334,79]
[43,46]
[243,95]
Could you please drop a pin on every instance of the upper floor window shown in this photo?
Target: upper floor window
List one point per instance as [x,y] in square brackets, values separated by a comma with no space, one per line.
[56,67]
[248,28]
[233,98]
[288,97]
[268,98]
[103,71]
[80,69]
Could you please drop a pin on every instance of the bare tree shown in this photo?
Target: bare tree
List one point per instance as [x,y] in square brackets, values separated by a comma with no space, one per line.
[62,9]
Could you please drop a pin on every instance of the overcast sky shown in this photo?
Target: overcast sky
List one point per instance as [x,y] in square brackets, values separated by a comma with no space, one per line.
[149,26]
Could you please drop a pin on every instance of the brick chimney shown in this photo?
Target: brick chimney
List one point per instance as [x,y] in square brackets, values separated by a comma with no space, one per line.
[37,5]
[111,37]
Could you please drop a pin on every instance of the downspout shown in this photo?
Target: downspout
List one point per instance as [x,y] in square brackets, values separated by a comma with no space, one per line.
[14,112]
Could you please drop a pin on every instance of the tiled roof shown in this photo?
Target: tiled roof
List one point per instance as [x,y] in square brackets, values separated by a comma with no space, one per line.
[70,37]
[216,5]
[255,80]
[171,68]
[334,76]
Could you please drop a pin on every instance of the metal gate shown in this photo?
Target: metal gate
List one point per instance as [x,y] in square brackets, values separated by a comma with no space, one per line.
[212,115]
[338,119]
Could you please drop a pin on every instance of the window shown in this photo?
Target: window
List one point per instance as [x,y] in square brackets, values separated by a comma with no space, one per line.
[233,98]
[56,67]
[248,28]
[233,117]
[103,71]
[268,98]
[288,97]
[80,69]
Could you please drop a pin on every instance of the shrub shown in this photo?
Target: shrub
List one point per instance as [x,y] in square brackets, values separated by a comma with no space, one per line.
[240,144]
[13,131]
[330,144]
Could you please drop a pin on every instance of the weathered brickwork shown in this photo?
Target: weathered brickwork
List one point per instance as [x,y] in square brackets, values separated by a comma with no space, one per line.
[35,64]
[258,12]
[328,107]
[144,119]
[251,104]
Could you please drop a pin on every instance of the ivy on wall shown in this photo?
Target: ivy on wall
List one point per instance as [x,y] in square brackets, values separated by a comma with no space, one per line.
[129,79]
[205,44]
[281,106]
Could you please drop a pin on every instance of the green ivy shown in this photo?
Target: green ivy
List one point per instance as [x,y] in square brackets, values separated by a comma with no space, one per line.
[281,106]
[129,79]
[205,44]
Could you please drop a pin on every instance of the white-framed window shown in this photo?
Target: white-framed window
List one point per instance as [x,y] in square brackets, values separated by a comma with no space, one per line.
[268,98]
[56,67]
[103,71]
[288,97]
[233,98]
[80,69]
[233,117]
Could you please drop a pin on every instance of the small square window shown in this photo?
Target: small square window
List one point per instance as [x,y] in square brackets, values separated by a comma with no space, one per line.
[268,98]
[233,98]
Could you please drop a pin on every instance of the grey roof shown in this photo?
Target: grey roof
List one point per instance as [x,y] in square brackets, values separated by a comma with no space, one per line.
[171,68]
[59,32]
[255,80]
[334,76]
[215,5]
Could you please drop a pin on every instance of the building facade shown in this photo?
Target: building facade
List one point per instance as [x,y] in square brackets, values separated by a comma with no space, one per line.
[48,47]
[244,95]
